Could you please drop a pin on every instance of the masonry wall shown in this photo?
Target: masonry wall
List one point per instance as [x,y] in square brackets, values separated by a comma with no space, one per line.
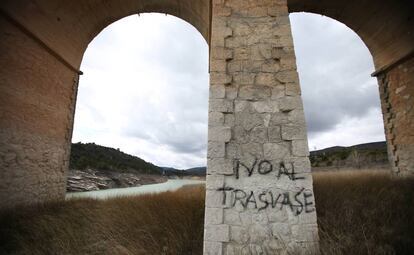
[259,187]
[36,102]
[397,101]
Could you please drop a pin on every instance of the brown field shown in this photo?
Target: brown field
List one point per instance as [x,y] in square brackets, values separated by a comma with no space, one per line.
[359,212]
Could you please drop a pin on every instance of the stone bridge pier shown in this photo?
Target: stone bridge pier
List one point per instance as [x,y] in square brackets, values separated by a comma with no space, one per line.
[259,185]
[259,196]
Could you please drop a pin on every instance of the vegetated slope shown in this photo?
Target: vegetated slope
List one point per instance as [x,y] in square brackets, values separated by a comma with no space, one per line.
[198,171]
[195,171]
[93,156]
[357,156]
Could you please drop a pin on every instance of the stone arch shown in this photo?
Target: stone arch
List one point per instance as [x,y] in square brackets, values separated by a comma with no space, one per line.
[387,29]
[41,47]
[41,50]
[385,26]
[67,27]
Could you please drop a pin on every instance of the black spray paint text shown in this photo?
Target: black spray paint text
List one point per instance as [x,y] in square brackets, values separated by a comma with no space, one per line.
[265,167]
[298,202]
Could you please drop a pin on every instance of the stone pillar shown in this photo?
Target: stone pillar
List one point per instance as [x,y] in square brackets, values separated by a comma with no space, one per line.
[259,186]
[397,101]
[37,96]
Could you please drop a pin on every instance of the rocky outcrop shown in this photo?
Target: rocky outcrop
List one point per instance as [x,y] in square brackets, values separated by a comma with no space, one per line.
[89,180]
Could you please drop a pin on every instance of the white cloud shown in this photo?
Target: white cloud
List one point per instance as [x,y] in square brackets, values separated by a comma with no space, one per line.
[145,88]
[341,99]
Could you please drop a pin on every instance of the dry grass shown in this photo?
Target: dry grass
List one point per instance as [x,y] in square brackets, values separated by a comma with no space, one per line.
[358,213]
[364,212]
[166,223]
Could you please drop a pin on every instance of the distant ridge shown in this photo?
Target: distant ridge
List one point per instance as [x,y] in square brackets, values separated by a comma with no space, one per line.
[356,156]
[93,156]
[195,171]
[364,146]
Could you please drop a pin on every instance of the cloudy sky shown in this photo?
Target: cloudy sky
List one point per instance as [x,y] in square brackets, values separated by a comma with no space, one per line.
[145,88]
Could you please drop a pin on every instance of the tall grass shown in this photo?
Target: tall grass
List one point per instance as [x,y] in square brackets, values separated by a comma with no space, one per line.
[166,223]
[364,212]
[358,213]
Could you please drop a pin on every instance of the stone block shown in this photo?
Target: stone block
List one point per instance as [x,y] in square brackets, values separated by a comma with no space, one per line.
[277,53]
[221,53]
[293,132]
[248,120]
[305,232]
[258,134]
[231,92]
[274,133]
[277,10]
[214,181]
[221,32]
[301,164]
[287,104]
[215,119]
[220,166]
[231,217]
[278,92]
[219,134]
[218,66]
[252,149]
[244,78]
[213,248]
[278,119]
[213,216]
[271,66]
[297,117]
[221,105]
[241,53]
[229,120]
[233,150]
[241,105]
[239,234]
[258,233]
[217,91]
[217,233]
[276,215]
[293,89]
[282,231]
[234,66]
[266,79]
[266,106]
[252,66]
[214,199]
[216,150]
[287,76]
[220,78]
[300,148]
[276,150]
[308,217]
[240,135]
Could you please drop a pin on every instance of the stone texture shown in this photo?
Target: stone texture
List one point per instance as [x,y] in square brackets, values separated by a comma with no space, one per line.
[267,149]
[252,58]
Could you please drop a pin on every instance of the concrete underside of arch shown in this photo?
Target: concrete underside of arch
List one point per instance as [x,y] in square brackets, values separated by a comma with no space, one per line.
[259,186]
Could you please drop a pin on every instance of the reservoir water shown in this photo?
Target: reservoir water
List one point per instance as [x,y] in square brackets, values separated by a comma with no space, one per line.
[170,185]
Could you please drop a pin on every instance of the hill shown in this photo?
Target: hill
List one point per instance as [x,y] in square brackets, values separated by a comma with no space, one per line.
[195,171]
[92,156]
[358,156]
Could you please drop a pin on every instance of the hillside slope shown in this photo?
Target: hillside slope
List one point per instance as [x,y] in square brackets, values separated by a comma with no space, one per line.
[95,167]
[365,155]
[92,156]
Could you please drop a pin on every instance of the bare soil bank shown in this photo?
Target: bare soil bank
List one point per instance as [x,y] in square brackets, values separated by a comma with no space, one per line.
[89,180]
[359,212]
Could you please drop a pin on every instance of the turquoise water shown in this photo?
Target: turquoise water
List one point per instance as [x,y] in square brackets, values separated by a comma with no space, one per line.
[170,185]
